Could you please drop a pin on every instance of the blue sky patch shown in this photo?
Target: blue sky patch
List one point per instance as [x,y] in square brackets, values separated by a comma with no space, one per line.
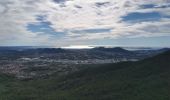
[146,6]
[140,17]
[43,27]
[149,6]
[59,1]
[97,30]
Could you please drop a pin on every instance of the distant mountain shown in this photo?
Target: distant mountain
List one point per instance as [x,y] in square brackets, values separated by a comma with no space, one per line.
[17,48]
[142,48]
[44,51]
[115,50]
[164,49]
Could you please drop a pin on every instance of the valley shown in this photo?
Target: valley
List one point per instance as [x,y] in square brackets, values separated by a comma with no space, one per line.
[28,63]
[147,79]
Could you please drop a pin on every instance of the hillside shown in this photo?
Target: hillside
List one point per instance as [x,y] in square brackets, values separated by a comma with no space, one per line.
[148,79]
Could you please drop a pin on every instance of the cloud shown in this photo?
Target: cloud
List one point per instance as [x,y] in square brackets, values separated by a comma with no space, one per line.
[64,22]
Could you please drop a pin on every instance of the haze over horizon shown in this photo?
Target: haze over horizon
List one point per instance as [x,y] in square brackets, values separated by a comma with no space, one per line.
[63,23]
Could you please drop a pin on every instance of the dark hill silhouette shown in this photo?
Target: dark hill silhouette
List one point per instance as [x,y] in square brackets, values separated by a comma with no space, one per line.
[44,50]
[116,49]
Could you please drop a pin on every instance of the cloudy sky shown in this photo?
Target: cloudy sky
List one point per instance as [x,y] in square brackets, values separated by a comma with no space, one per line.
[84,22]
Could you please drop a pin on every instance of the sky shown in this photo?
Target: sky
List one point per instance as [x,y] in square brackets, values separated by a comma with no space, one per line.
[85,22]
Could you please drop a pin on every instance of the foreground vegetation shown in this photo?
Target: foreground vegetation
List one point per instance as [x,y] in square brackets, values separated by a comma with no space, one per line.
[144,80]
